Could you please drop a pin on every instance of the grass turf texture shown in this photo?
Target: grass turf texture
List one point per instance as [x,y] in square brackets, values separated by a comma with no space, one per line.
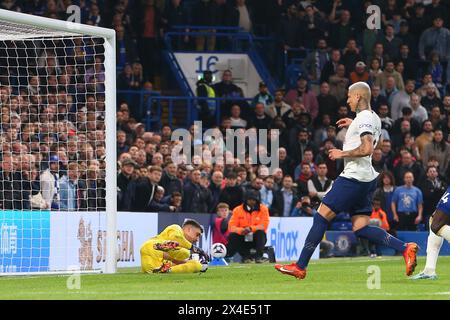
[338,278]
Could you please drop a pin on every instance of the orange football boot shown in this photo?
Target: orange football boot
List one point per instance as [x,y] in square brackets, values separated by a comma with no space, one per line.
[410,255]
[291,269]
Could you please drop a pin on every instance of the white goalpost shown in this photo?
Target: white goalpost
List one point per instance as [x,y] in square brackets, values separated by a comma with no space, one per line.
[58,188]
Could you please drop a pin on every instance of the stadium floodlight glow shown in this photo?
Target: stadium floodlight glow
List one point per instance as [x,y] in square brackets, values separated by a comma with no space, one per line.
[85,55]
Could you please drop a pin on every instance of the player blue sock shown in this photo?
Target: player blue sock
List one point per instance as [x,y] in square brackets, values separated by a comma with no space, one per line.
[314,237]
[380,236]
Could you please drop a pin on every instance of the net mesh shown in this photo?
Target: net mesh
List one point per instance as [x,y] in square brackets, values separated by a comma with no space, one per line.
[52,138]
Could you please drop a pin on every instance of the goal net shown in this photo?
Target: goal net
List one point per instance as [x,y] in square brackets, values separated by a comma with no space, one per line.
[57,138]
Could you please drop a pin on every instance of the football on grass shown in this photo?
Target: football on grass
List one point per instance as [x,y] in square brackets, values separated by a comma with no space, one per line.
[218,250]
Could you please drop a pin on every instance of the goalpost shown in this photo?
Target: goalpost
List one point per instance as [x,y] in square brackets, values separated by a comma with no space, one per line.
[58,189]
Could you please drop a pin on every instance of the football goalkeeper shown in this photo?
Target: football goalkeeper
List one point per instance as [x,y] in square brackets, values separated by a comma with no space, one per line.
[172,249]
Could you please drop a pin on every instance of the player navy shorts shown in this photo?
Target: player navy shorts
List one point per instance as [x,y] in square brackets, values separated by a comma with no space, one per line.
[444,204]
[351,196]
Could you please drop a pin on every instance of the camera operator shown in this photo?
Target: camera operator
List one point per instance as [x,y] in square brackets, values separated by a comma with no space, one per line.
[303,208]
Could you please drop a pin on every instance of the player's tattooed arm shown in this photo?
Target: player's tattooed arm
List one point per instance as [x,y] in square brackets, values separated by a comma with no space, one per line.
[365,149]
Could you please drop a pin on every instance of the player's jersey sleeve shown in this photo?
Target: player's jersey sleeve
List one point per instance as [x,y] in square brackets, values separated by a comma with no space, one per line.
[175,232]
[365,124]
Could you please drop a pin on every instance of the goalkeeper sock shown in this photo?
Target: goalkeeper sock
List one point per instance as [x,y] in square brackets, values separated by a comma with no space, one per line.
[380,236]
[314,237]
[191,266]
[433,246]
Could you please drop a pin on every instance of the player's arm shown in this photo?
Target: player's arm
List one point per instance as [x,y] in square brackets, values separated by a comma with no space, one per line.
[364,149]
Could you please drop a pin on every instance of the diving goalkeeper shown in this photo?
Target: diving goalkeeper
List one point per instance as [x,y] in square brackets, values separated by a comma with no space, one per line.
[172,249]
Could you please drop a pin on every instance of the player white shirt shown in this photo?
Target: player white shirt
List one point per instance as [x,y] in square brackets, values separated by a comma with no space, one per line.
[361,168]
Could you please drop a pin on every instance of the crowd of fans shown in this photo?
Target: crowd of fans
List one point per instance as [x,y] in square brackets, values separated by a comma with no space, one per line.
[406,70]
[53,124]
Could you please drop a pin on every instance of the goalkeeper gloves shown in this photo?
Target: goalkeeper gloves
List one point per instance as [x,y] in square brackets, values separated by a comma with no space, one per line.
[200,252]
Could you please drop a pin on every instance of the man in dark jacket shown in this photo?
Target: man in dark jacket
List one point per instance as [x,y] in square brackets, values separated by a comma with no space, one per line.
[169,180]
[284,199]
[195,196]
[433,189]
[123,180]
[141,191]
[232,194]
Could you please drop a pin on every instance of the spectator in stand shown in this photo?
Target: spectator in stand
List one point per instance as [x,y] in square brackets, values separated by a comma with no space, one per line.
[409,62]
[216,189]
[285,199]
[50,183]
[220,224]
[339,84]
[156,204]
[378,53]
[267,192]
[141,191]
[227,89]
[330,67]
[389,71]
[169,180]
[149,25]
[128,166]
[378,161]
[374,72]
[432,188]
[390,42]
[328,103]
[298,147]
[125,47]
[436,38]
[316,60]
[407,164]
[278,108]
[406,116]
[259,119]
[196,198]
[207,107]
[377,99]
[438,148]
[235,117]
[402,99]
[232,194]
[431,99]
[436,117]
[425,137]
[263,96]
[351,57]
[313,26]
[384,193]
[390,90]
[305,95]
[319,184]
[378,218]
[341,31]
[290,29]
[407,204]
[303,208]
[419,113]
[285,161]
[360,73]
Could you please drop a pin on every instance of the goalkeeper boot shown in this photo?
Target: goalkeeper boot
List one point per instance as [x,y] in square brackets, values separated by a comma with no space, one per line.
[410,255]
[166,246]
[291,269]
[165,268]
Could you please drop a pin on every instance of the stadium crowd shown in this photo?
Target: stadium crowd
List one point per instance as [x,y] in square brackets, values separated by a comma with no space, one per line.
[53,140]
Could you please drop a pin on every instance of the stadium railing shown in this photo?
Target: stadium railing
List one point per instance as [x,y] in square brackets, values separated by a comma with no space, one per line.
[150,107]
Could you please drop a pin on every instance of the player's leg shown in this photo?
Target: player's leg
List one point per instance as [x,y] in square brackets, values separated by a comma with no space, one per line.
[179,255]
[151,259]
[434,245]
[440,226]
[190,266]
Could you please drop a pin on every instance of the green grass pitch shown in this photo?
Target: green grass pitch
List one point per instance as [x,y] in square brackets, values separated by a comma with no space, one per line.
[337,278]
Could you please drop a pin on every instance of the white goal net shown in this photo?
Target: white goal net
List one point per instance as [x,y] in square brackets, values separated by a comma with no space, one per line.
[57,138]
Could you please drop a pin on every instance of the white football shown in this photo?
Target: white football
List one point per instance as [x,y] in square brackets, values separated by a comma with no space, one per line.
[218,250]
